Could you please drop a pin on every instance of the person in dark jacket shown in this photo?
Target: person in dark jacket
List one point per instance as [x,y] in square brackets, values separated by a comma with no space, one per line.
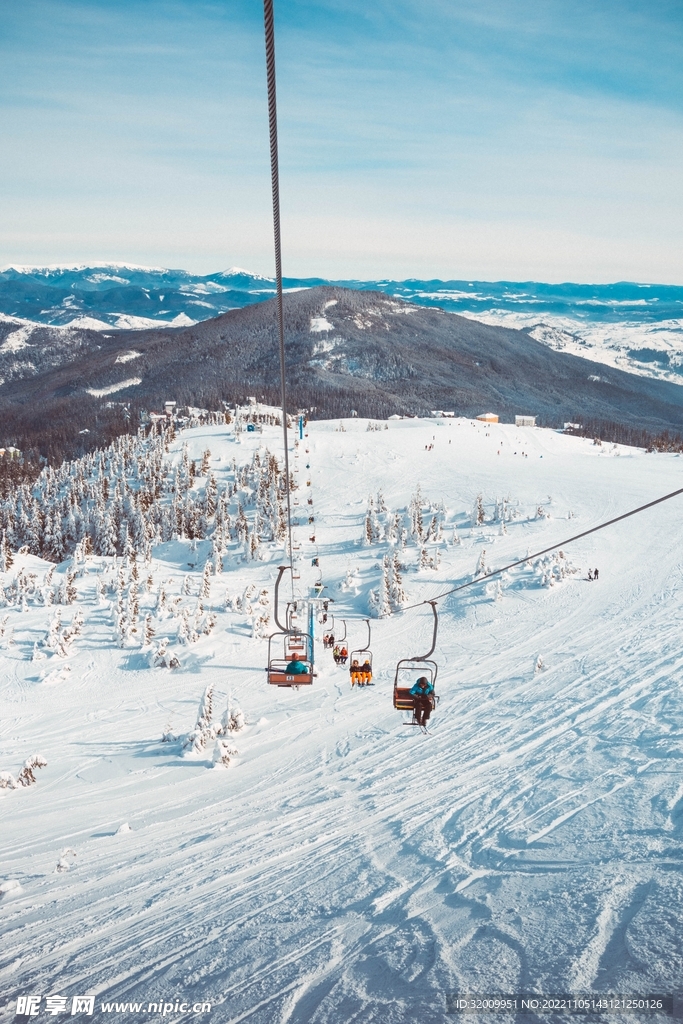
[421,693]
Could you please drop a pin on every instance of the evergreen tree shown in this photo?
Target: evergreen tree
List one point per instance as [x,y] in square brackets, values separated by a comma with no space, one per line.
[70,592]
[6,556]
[397,594]
[206,581]
[384,596]
[416,524]
[148,633]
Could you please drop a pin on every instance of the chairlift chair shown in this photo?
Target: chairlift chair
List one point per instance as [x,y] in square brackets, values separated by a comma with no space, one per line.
[296,646]
[360,664]
[408,670]
[340,645]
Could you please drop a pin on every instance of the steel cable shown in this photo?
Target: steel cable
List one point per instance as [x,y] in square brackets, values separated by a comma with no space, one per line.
[537,554]
[275,180]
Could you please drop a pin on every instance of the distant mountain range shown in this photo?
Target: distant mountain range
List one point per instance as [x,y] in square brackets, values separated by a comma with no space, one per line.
[633,327]
[346,350]
[107,292]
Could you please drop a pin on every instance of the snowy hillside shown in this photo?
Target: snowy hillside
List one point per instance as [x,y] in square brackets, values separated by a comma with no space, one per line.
[197,836]
[633,327]
[652,349]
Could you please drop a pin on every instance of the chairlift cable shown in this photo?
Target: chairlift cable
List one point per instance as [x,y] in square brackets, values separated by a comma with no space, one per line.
[275,180]
[553,547]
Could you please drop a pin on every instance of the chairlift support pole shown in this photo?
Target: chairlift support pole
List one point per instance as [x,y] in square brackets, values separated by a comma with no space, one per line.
[283,629]
[429,653]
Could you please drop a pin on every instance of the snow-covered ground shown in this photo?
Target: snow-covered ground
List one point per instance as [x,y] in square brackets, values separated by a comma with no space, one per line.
[346,867]
[650,349]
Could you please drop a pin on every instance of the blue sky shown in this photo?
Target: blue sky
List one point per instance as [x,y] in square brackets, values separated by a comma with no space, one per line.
[496,139]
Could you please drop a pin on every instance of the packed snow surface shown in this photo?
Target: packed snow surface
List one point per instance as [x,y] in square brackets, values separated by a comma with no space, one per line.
[345,866]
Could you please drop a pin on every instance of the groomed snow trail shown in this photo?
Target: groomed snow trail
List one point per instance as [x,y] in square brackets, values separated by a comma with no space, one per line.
[346,867]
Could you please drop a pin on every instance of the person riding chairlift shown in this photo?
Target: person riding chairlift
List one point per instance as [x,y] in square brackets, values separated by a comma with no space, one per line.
[355,673]
[296,668]
[365,673]
[421,693]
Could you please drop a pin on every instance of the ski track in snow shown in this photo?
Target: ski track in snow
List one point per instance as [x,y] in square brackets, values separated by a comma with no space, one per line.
[346,868]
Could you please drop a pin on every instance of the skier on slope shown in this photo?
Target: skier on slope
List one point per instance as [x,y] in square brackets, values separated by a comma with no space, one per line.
[421,693]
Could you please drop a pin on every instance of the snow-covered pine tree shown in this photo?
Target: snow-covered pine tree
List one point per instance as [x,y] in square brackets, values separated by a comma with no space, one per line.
[241,524]
[6,556]
[394,530]
[133,607]
[205,591]
[203,731]
[481,569]
[416,523]
[122,629]
[160,605]
[183,634]
[25,776]
[125,546]
[217,552]
[367,528]
[148,631]
[384,594]
[223,753]
[397,594]
[261,619]
[70,592]
[210,497]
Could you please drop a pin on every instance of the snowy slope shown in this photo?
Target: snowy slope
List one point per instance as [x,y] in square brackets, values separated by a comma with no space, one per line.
[346,867]
[651,349]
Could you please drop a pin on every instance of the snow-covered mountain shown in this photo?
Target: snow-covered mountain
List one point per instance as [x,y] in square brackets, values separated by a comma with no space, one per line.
[199,837]
[346,350]
[635,327]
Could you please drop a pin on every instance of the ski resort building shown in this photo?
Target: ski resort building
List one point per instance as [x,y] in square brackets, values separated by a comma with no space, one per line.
[488,417]
[525,421]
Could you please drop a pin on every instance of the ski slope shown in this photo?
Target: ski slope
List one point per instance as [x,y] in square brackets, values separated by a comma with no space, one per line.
[345,867]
